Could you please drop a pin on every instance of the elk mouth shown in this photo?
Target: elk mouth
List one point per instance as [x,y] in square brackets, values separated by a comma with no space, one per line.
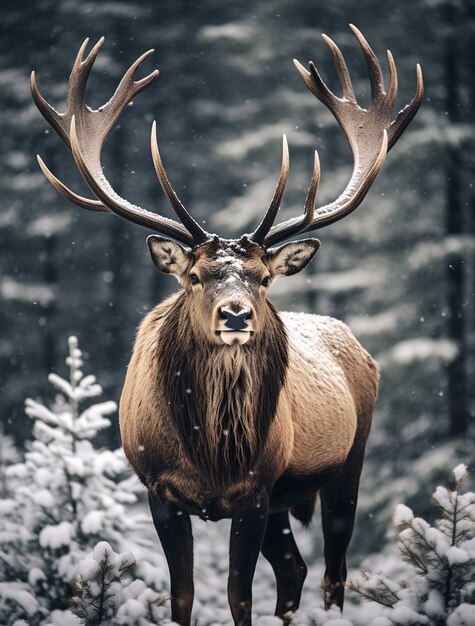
[235,337]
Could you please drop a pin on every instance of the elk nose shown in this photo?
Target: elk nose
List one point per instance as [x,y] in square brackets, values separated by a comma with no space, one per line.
[235,321]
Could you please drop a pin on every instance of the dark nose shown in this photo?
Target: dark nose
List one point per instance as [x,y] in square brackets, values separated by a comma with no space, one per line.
[235,321]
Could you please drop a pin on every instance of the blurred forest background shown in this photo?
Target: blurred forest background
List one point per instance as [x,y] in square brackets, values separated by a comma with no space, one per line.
[400,271]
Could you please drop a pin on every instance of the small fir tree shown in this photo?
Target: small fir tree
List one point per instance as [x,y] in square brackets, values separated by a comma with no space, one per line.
[105,593]
[65,497]
[441,589]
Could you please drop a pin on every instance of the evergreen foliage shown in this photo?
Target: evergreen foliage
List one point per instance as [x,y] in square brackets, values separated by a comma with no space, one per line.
[104,594]
[440,588]
[62,499]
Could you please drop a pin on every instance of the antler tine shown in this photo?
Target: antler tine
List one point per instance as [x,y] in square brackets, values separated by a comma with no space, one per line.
[370,132]
[80,73]
[85,130]
[261,231]
[199,235]
[126,90]
[405,116]
[84,203]
[298,224]
[341,69]
[315,83]
[47,111]
[393,81]
[374,68]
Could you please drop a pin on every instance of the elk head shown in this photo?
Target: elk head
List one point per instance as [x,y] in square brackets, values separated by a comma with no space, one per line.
[227,280]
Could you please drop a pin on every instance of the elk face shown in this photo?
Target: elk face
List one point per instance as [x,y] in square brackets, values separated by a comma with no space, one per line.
[227,281]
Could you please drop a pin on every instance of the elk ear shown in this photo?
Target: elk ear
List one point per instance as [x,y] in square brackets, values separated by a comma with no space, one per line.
[291,257]
[169,257]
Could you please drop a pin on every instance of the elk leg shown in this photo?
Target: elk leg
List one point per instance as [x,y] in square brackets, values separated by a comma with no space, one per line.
[281,551]
[174,531]
[248,528]
[338,501]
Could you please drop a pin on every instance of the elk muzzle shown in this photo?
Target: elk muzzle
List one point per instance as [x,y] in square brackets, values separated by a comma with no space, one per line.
[235,327]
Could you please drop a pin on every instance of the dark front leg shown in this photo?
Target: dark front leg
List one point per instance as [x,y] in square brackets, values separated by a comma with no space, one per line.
[339,498]
[174,530]
[248,528]
[281,551]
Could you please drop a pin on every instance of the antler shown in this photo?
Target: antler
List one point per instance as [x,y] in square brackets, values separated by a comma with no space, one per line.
[370,133]
[84,132]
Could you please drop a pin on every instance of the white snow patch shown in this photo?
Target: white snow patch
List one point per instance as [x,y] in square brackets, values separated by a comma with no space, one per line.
[402,515]
[55,537]
[22,597]
[44,498]
[241,32]
[457,555]
[35,575]
[460,472]
[435,604]
[92,522]
[464,615]
[454,246]
[13,290]
[64,618]
[268,620]
[420,349]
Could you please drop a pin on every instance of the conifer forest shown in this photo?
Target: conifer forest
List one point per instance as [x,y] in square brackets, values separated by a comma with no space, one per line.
[77,544]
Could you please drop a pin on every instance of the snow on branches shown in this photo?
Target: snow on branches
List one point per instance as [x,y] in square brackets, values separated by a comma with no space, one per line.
[105,595]
[61,500]
[441,589]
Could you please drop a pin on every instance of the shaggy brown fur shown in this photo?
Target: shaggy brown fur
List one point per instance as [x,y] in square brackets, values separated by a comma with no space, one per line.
[207,418]
[221,401]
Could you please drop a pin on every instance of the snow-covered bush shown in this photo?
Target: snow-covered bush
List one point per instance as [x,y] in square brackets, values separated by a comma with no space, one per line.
[441,587]
[106,594]
[64,498]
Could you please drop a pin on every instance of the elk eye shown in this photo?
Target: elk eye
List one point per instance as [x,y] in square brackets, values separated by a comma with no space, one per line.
[266,281]
[194,279]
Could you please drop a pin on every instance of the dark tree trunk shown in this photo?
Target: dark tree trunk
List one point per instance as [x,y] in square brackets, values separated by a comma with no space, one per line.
[469,8]
[122,288]
[457,391]
[50,277]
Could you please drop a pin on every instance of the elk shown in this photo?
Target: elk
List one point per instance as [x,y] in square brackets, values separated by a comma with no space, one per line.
[231,409]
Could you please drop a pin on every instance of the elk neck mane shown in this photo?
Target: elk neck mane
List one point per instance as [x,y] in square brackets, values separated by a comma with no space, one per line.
[222,399]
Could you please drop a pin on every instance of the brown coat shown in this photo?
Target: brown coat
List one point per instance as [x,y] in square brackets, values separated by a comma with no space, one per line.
[199,422]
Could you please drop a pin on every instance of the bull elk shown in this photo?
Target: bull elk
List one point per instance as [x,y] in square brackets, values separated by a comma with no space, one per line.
[231,409]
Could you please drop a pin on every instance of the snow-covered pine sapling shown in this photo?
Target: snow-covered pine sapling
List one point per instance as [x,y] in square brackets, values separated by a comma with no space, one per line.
[67,495]
[64,423]
[440,589]
[105,593]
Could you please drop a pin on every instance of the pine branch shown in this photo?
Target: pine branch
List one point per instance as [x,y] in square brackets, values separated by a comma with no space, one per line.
[442,557]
